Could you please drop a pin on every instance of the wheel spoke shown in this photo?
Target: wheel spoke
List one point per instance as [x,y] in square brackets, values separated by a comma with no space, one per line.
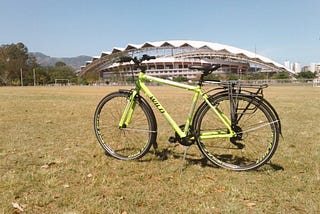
[138,130]
[260,125]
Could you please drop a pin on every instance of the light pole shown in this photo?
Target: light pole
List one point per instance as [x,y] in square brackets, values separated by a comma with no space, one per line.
[34,77]
[21,77]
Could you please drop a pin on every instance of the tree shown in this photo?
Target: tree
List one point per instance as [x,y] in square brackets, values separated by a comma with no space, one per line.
[16,62]
[61,71]
[60,64]
[90,77]
[14,58]
[306,75]
[42,76]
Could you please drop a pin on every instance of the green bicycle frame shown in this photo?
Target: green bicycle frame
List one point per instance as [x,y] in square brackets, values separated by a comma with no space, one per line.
[140,86]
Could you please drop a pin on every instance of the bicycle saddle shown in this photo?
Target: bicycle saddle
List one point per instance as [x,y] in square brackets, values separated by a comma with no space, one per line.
[205,69]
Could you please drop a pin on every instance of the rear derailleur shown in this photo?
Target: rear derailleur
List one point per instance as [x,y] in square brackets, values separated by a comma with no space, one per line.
[235,140]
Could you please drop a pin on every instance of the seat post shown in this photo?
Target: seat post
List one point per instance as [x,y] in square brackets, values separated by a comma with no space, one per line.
[201,79]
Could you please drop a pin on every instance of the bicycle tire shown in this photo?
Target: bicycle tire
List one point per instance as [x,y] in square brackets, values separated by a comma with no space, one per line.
[257,130]
[128,143]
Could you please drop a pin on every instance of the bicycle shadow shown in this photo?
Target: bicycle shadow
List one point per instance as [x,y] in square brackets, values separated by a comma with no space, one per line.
[191,159]
[272,166]
[203,162]
[166,154]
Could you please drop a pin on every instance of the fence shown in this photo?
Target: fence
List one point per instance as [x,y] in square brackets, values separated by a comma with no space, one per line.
[294,82]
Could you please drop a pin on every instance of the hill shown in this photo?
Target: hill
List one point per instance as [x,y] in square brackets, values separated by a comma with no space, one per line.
[75,62]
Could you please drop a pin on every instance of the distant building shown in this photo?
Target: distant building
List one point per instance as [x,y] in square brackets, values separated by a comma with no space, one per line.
[295,66]
[287,64]
[305,69]
[168,67]
[314,67]
[173,58]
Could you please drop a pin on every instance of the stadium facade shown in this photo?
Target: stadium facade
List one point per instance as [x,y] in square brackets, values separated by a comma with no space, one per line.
[173,58]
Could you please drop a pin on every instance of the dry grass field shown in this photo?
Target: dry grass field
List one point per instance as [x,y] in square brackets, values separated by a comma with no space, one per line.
[50,161]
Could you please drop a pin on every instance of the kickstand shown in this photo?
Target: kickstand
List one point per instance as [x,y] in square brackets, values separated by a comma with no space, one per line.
[186,148]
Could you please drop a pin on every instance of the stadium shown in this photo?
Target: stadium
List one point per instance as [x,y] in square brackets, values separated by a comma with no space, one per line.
[173,58]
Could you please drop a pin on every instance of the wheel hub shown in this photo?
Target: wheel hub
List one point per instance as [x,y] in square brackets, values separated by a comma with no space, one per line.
[234,140]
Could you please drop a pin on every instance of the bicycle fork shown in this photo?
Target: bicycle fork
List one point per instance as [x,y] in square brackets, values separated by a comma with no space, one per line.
[128,111]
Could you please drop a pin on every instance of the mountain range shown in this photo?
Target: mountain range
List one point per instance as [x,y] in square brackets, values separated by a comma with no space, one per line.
[74,62]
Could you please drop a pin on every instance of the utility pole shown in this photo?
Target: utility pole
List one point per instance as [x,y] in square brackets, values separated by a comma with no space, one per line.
[21,77]
[255,56]
[34,77]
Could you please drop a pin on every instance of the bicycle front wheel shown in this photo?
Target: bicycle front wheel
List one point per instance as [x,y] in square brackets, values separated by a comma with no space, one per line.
[131,142]
[256,127]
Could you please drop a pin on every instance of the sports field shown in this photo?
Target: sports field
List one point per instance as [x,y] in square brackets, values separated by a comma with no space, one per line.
[51,162]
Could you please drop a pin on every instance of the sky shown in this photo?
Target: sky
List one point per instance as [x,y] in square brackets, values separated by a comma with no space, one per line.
[282,30]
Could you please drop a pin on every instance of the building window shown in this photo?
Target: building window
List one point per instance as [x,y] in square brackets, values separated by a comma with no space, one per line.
[160,67]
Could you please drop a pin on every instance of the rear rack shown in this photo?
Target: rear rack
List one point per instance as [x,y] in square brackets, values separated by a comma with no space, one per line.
[237,87]
[227,84]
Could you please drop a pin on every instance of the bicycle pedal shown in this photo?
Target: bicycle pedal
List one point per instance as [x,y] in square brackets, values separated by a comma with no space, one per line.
[172,140]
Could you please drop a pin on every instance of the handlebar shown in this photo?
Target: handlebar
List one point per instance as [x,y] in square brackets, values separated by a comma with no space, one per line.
[136,61]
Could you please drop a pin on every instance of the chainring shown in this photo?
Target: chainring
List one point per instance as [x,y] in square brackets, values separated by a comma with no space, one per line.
[186,141]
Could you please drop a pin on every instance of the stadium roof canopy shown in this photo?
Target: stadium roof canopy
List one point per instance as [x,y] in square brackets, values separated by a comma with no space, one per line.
[182,49]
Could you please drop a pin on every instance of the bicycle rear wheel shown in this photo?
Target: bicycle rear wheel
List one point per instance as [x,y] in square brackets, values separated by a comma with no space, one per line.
[131,142]
[257,133]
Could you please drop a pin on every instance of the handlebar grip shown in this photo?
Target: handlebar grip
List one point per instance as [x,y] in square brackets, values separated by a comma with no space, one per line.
[147,57]
[216,67]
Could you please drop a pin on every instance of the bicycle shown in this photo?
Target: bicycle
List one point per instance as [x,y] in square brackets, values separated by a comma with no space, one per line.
[234,128]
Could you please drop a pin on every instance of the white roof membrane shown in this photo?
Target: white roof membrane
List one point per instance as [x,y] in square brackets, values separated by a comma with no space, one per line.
[197,45]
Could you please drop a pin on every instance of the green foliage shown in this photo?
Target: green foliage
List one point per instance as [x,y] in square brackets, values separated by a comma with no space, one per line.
[42,76]
[60,64]
[281,75]
[306,75]
[61,71]
[180,79]
[90,78]
[215,77]
[232,77]
[255,76]
[13,59]
[17,67]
